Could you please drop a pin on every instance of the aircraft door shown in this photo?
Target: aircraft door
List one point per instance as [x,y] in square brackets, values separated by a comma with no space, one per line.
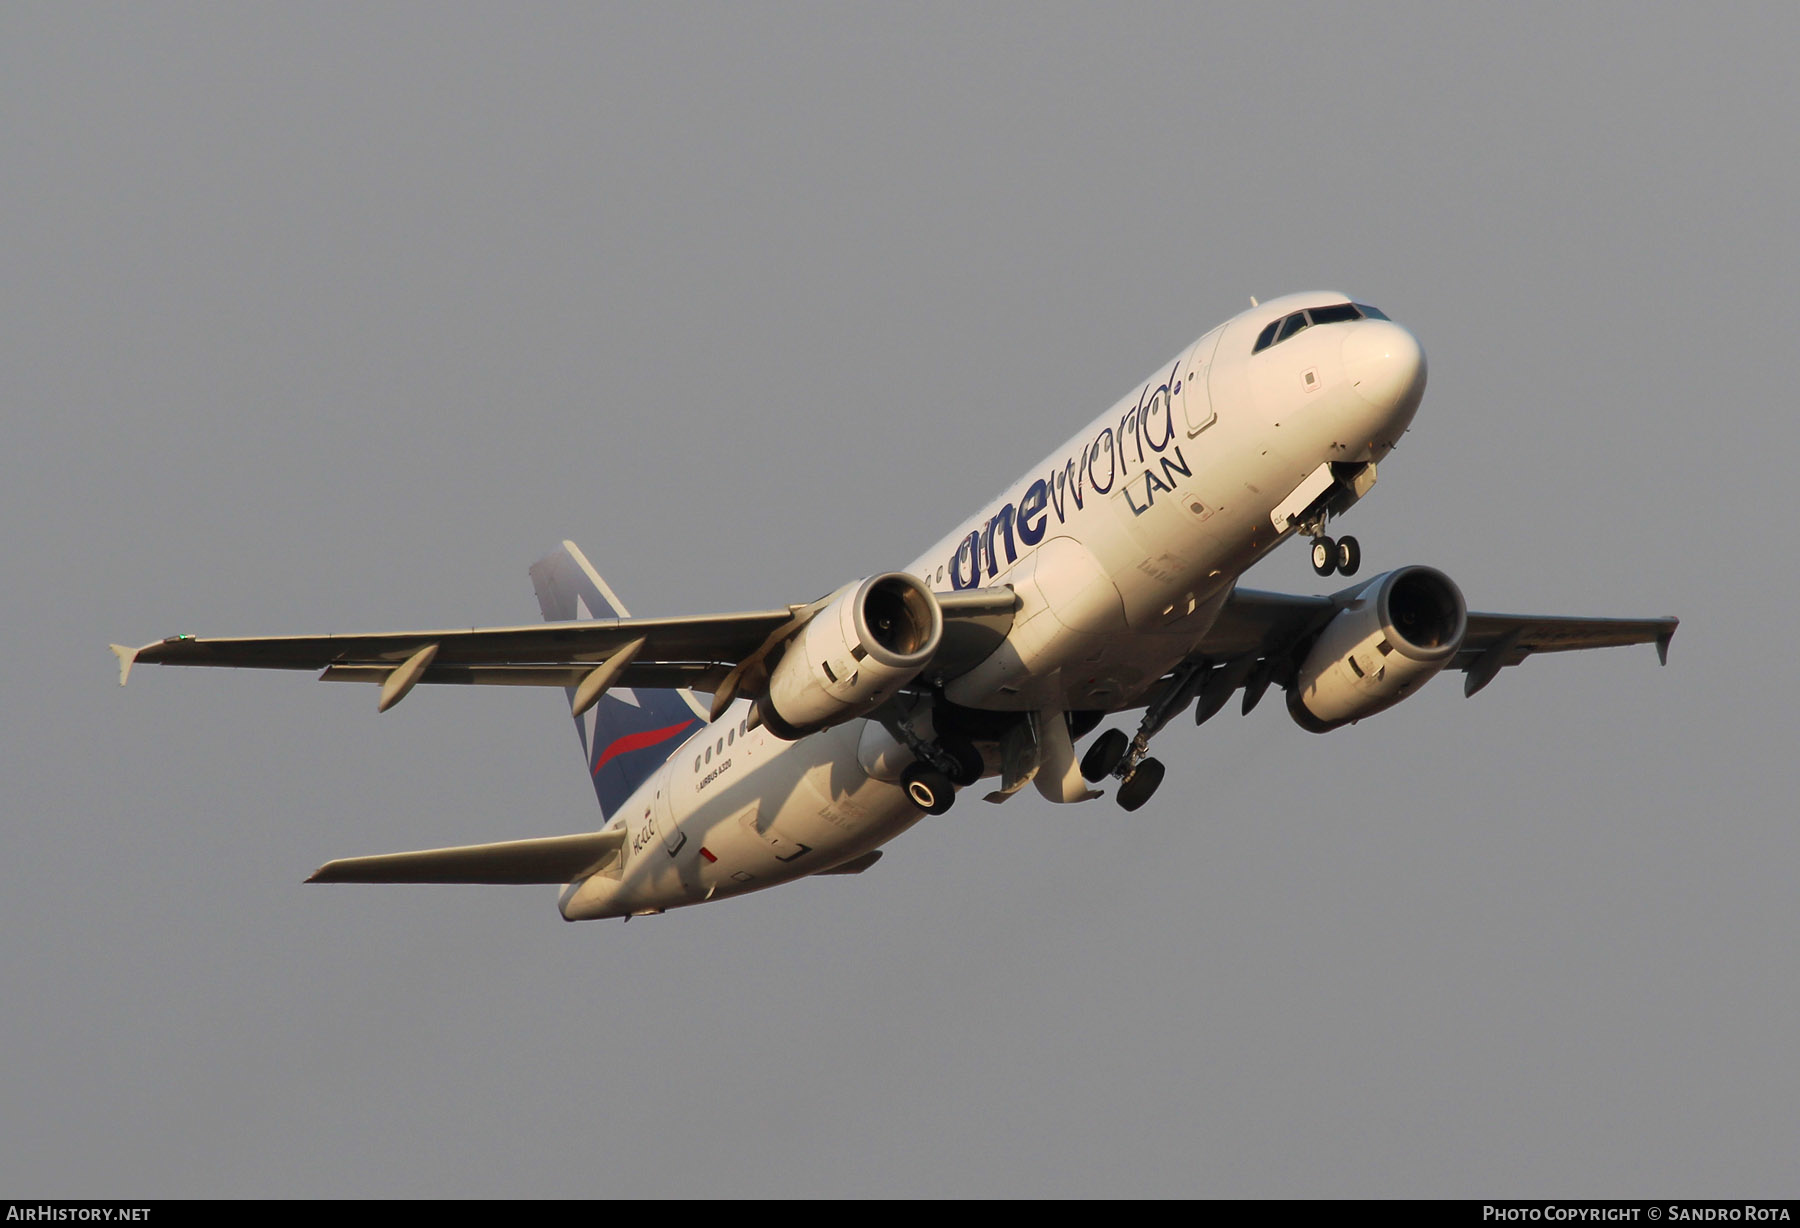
[1196,377]
[672,836]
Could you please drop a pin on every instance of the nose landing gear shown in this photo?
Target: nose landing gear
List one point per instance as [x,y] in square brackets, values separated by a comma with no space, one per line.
[1343,555]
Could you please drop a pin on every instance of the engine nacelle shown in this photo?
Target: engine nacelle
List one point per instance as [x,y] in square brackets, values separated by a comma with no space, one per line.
[1401,628]
[853,655]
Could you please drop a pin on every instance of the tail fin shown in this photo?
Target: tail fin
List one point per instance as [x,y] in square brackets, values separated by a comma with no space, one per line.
[628,734]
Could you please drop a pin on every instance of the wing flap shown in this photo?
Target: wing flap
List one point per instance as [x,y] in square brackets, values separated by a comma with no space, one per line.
[551,859]
[653,675]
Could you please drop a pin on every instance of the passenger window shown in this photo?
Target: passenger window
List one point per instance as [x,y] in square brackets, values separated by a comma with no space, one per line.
[1292,325]
[1266,338]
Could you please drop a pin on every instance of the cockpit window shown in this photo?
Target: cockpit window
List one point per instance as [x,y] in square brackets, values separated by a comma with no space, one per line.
[1331,313]
[1337,313]
[1374,313]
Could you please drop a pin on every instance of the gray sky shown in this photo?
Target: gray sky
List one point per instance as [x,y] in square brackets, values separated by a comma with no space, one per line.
[336,317]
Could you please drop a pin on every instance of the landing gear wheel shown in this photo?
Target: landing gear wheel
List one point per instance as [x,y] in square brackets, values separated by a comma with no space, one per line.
[1141,784]
[1324,555]
[1349,555]
[1104,755]
[929,789]
[969,763]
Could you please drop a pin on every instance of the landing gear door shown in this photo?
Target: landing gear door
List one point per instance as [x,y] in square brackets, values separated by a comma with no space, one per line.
[1195,377]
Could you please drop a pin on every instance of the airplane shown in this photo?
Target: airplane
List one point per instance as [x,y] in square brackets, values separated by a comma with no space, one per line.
[1104,581]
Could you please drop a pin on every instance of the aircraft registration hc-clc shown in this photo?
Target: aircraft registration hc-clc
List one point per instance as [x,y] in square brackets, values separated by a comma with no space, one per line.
[1103,581]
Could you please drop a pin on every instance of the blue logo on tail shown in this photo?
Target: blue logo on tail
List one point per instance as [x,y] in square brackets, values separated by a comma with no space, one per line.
[628,734]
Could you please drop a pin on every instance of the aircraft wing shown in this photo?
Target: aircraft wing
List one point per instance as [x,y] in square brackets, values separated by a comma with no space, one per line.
[701,652]
[1495,641]
[1258,624]
[1273,625]
[675,650]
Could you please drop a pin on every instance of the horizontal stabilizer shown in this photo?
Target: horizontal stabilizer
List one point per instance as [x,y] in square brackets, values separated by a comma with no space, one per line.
[552,859]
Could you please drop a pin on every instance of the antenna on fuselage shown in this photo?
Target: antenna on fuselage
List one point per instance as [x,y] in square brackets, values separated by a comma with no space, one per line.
[1253,301]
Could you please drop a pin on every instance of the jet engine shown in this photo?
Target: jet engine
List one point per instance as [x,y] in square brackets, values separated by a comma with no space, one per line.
[853,655]
[1399,630]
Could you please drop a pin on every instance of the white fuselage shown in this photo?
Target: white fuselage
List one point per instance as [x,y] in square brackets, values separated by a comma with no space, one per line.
[1122,545]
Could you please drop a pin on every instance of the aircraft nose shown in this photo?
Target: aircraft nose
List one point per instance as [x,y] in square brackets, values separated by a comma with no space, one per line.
[1386,366]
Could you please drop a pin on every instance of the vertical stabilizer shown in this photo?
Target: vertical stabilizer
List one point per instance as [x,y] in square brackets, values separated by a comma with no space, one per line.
[628,734]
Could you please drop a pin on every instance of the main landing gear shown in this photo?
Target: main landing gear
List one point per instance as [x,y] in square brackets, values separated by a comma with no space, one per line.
[1114,754]
[929,789]
[1136,788]
[940,766]
[931,783]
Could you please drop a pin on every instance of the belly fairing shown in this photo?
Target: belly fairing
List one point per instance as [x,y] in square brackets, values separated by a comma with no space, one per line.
[793,809]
